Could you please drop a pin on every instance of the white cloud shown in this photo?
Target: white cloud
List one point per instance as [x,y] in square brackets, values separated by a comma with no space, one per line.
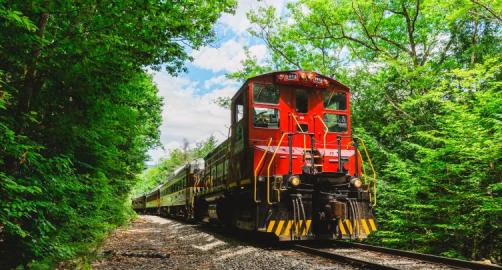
[227,57]
[239,22]
[187,115]
[221,81]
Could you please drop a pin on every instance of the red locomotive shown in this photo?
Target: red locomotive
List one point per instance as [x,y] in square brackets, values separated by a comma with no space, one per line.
[290,167]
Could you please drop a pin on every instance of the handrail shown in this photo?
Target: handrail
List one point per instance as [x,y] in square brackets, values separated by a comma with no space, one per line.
[304,136]
[258,167]
[326,129]
[373,171]
[270,164]
[278,189]
[362,165]
[197,180]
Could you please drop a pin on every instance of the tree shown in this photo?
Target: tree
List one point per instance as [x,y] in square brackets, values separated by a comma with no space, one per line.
[424,77]
[158,174]
[78,111]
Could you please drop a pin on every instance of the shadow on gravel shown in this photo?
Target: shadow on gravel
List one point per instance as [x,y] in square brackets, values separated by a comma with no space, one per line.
[255,239]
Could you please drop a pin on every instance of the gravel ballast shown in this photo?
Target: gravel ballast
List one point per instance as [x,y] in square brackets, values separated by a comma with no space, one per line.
[152,242]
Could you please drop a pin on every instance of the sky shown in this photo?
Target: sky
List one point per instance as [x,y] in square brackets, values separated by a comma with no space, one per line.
[189,111]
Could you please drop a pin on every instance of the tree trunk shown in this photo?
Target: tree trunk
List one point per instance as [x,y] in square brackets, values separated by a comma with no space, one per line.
[474,41]
[29,85]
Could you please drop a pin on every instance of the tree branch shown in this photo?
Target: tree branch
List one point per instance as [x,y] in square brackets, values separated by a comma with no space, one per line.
[266,38]
[487,8]
[363,25]
[392,42]
[410,28]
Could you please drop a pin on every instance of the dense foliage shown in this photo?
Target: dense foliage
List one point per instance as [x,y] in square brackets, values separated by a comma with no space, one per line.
[78,113]
[158,174]
[427,98]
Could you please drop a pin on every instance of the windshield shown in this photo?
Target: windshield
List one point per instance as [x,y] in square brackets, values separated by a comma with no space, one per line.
[334,100]
[336,122]
[302,100]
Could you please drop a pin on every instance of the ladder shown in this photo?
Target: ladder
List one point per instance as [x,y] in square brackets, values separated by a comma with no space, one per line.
[313,159]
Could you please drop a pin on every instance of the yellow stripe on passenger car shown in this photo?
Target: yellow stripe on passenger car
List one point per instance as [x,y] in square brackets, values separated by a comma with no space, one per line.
[341,227]
[270,226]
[246,181]
[372,224]
[365,226]
[349,226]
[279,227]
[288,228]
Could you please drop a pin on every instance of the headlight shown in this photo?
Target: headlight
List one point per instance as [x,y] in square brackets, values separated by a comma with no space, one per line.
[294,180]
[356,182]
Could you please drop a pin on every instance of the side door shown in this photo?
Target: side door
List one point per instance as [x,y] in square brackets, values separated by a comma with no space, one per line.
[238,139]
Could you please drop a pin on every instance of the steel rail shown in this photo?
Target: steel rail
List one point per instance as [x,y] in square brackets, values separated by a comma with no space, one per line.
[343,259]
[389,251]
[422,256]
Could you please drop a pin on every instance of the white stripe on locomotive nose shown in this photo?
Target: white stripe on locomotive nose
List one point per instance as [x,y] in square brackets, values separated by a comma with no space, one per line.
[210,246]
[235,252]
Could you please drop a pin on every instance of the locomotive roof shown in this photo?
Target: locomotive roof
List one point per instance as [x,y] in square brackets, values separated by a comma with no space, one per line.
[271,74]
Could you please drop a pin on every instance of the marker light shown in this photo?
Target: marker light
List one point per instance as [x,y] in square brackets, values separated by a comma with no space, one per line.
[356,182]
[294,180]
[303,75]
[311,76]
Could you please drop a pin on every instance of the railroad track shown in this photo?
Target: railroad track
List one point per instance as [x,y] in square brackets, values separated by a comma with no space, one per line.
[374,257]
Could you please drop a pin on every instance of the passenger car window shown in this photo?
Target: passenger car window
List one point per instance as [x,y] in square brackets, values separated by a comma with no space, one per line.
[334,100]
[265,93]
[336,122]
[266,117]
[302,100]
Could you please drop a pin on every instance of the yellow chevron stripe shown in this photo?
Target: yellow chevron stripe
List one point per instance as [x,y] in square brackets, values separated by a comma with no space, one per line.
[349,225]
[307,227]
[372,224]
[270,226]
[365,226]
[341,227]
[288,228]
[279,227]
[297,226]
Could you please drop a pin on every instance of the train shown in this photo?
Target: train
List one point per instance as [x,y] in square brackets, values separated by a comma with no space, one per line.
[290,167]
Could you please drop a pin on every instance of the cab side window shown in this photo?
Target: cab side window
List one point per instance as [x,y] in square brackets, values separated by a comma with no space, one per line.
[238,115]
